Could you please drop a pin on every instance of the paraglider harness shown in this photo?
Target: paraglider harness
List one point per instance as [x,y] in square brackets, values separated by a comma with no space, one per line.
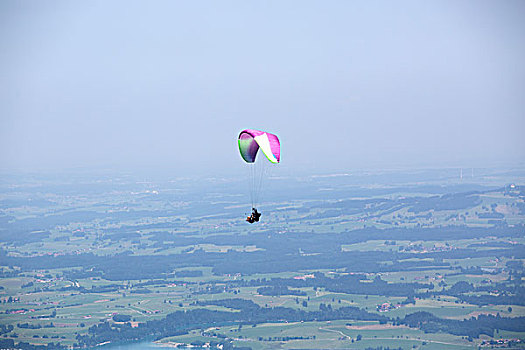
[254,217]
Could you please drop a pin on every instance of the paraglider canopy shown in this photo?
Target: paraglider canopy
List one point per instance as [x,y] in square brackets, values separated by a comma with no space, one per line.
[251,140]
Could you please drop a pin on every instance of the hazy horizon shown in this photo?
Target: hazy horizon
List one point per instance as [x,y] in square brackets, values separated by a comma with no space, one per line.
[167,86]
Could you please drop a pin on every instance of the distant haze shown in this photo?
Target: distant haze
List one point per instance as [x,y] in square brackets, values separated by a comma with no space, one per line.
[345,84]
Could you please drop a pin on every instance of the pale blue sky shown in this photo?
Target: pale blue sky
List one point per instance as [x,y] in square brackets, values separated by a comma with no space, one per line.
[345,84]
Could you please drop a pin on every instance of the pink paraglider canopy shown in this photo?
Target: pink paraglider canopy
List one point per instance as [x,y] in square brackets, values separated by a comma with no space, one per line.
[251,140]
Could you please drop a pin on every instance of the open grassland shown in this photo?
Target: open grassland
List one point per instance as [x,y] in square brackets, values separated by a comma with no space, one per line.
[325,335]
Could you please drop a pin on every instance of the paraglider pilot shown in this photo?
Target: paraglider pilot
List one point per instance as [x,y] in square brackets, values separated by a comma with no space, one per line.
[254,217]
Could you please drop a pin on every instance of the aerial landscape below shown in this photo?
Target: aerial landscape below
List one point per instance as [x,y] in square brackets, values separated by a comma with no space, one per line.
[426,259]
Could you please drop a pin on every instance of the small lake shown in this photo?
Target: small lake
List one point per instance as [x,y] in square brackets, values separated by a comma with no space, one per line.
[133,346]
